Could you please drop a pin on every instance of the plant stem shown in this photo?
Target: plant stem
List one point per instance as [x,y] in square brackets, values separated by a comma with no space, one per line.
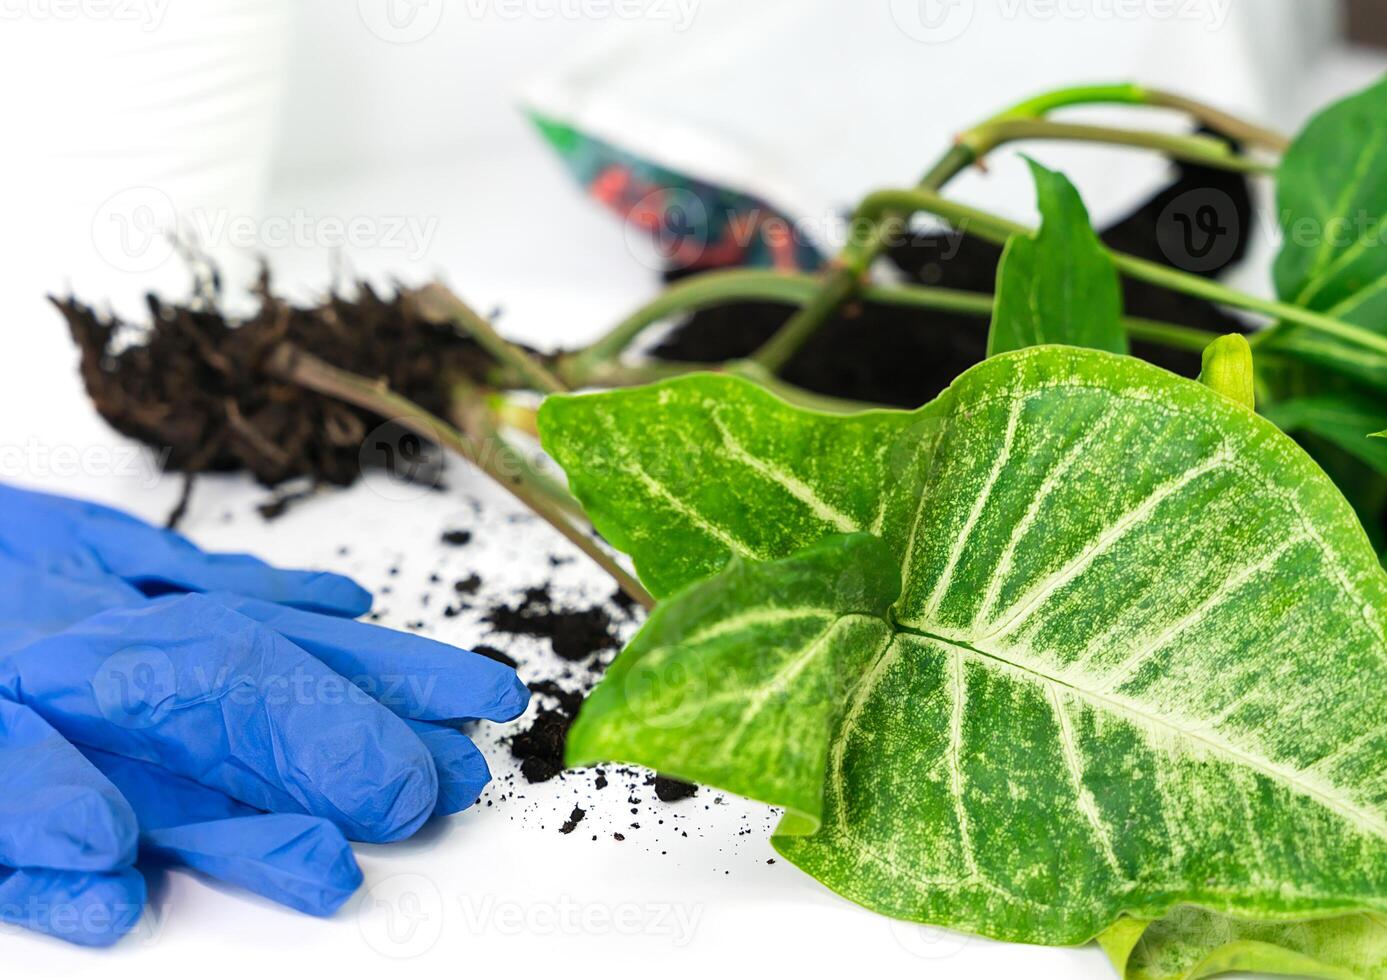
[1224,123]
[1191,149]
[848,273]
[593,365]
[476,414]
[597,365]
[999,230]
[303,369]
[437,302]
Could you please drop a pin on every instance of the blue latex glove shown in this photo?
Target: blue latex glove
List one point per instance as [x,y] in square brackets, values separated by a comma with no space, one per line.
[296,860]
[67,838]
[78,538]
[242,696]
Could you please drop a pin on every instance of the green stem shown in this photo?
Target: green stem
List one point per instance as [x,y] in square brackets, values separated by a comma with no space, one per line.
[437,302]
[1192,149]
[596,365]
[1169,334]
[1000,230]
[849,271]
[303,369]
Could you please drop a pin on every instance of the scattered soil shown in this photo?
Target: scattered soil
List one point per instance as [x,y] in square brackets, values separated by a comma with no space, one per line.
[574,819]
[576,635]
[457,538]
[670,790]
[540,747]
[192,382]
[491,653]
[892,356]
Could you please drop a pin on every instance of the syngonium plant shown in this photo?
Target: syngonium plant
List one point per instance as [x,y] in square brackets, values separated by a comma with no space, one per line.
[1079,650]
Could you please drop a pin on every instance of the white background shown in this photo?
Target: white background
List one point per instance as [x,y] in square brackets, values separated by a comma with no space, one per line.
[263,111]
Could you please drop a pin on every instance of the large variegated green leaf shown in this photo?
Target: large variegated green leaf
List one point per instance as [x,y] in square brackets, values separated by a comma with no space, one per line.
[1137,657]
[1058,285]
[1332,201]
[1192,943]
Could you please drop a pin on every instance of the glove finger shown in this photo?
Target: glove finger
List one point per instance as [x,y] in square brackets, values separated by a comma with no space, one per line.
[36,603]
[413,676]
[298,861]
[211,695]
[56,810]
[89,909]
[462,769]
[81,539]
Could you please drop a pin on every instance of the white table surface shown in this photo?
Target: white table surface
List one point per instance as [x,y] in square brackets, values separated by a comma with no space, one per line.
[498,887]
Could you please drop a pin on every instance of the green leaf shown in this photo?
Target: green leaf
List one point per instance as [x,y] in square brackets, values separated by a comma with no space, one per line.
[1136,659]
[1332,198]
[1059,285]
[1227,369]
[1191,943]
[1347,419]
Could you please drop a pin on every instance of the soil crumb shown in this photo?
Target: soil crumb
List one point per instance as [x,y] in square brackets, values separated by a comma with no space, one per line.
[574,819]
[670,790]
[576,634]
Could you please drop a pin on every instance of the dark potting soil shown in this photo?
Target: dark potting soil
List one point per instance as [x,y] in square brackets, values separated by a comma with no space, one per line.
[1202,222]
[670,790]
[192,382]
[491,653]
[575,634]
[574,819]
[540,747]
